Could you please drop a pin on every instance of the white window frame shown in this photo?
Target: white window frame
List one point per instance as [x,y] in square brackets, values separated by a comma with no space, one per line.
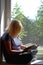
[5,14]
[2,15]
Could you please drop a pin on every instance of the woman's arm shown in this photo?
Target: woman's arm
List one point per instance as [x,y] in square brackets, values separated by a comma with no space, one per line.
[9,47]
[23,46]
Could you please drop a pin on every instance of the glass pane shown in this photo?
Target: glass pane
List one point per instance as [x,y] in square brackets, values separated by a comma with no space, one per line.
[30,13]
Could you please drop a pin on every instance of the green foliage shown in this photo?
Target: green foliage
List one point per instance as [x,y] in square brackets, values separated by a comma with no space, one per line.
[32,31]
[16,15]
[22,34]
[40,51]
[16,10]
[40,20]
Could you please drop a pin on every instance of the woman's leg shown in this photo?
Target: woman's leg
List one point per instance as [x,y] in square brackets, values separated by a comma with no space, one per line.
[24,58]
[21,58]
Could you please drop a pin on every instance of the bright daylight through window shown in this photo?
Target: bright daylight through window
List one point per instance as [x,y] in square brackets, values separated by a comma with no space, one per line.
[30,13]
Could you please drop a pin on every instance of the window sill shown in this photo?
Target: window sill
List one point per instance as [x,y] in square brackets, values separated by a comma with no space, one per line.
[39,56]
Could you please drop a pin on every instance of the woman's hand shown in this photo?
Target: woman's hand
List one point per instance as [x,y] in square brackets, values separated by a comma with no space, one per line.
[24,46]
[34,51]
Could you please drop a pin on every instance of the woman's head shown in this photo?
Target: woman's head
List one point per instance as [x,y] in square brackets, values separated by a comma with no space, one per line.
[14,28]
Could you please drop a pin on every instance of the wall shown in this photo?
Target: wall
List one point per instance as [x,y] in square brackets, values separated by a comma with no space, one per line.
[0,17]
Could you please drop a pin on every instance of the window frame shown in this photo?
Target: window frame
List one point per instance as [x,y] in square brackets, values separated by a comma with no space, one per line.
[8,18]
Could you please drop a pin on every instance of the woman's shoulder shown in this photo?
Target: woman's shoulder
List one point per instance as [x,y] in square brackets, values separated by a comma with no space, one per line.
[5,36]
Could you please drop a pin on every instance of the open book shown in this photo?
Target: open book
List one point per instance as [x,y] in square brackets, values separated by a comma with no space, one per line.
[31,47]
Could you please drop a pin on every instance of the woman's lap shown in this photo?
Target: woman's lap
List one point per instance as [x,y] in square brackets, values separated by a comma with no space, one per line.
[21,58]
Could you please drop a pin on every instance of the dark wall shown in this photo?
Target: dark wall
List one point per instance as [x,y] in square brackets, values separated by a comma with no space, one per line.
[0,17]
[0,11]
[0,30]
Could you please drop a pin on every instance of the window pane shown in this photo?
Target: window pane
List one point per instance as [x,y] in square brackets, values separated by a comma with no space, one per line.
[31,16]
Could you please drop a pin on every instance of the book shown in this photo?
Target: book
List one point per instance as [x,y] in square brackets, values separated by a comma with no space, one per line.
[31,47]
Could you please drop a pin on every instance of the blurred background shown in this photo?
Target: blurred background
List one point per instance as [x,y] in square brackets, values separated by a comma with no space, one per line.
[30,13]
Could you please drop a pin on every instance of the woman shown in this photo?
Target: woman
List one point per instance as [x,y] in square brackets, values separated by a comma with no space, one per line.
[12,44]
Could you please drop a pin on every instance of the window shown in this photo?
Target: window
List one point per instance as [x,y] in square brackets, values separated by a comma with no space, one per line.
[31,16]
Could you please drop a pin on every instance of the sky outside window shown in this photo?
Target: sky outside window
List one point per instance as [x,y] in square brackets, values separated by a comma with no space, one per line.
[29,7]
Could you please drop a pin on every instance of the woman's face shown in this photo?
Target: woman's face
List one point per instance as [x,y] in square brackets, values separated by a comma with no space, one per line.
[15,34]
